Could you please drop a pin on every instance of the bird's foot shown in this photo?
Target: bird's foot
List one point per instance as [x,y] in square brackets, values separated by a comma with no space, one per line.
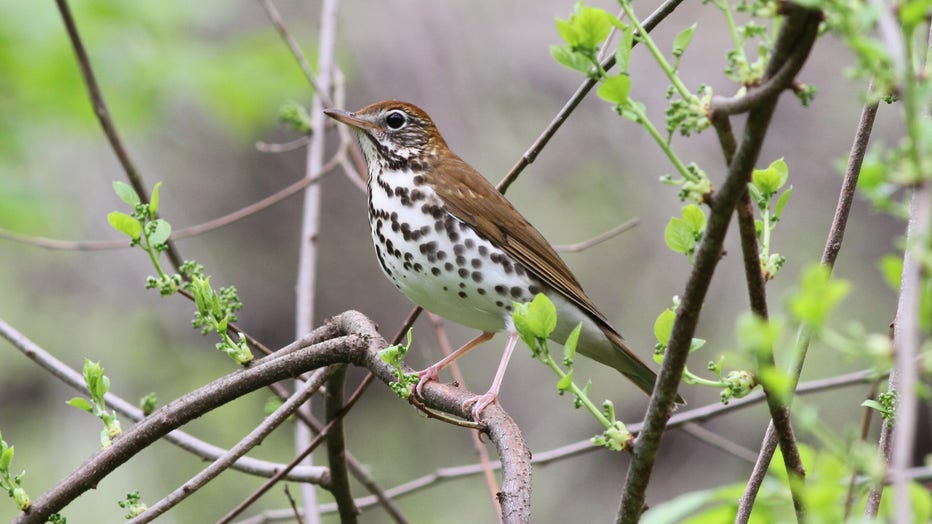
[480,402]
[431,374]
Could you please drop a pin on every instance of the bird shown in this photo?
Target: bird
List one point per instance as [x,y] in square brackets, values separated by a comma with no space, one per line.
[454,245]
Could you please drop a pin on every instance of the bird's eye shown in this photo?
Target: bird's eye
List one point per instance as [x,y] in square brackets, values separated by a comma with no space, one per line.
[396,120]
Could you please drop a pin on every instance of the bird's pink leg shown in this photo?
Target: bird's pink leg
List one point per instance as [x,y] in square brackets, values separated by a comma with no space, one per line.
[432,372]
[482,401]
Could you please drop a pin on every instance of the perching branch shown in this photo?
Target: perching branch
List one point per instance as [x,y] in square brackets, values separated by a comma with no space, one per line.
[346,338]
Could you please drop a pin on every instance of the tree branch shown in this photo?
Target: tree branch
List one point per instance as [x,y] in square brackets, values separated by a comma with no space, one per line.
[833,245]
[352,339]
[798,35]
[336,449]
[253,439]
[199,448]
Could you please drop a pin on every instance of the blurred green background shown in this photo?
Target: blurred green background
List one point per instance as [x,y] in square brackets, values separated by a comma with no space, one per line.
[192,86]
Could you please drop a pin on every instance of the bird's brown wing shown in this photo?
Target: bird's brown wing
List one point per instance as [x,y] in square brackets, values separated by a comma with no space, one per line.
[475,201]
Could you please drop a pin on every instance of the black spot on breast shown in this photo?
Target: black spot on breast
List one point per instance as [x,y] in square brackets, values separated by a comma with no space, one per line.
[476,263]
[441,255]
[417,267]
[480,290]
[516,292]
[534,289]
[461,260]
[435,271]
[483,251]
[463,273]
[476,276]
[462,294]
[501,290]
[458,249]
[449,267]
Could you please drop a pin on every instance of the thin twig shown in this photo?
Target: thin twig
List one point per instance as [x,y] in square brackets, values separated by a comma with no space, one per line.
[322,88]
[530,155]
[830,253]
[598,239]
[190,231]
[103,116]
[294,506]
[798,34]
[197,447]
[293,145]
[253,439]
[312,445]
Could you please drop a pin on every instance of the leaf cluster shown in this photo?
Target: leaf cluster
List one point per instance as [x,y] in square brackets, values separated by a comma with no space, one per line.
[98,385]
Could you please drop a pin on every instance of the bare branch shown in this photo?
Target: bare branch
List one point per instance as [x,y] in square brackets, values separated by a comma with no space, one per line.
[253,439]
[598,239]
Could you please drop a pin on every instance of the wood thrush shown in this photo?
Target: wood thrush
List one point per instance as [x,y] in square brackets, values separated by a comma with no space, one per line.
[455,246]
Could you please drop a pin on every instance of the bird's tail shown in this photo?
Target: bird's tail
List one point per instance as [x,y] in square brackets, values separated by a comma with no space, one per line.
[619,356]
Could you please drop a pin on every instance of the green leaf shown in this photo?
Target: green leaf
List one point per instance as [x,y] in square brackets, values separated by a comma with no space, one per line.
[663,326]
[154,201]
[694,218]
[615,89]
[161,232]
[756,335]
[769,181]
[125,224]
[696,343]
[565,55]
[891,268]
[81,403]
[625,44]
[817,296]
[679,236]
[569,349]
[6,458]
[126,193]
[565,382]
[591,26]
[541,317]
[781,202]
[682,40]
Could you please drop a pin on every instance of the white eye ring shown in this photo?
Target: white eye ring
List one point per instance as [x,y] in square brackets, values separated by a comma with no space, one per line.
[396,119]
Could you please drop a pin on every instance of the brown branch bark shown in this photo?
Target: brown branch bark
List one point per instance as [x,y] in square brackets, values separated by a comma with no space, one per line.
[346,338]
[795,40]
[833,245]
[336,449]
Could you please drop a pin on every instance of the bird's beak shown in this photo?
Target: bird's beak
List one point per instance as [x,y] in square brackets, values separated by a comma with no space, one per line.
[350,119]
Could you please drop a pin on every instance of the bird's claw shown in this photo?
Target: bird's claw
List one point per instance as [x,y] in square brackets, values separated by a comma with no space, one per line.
[423,377]
[480,402]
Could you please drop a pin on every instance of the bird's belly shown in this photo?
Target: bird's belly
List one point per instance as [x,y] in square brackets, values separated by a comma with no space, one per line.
[444,266]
